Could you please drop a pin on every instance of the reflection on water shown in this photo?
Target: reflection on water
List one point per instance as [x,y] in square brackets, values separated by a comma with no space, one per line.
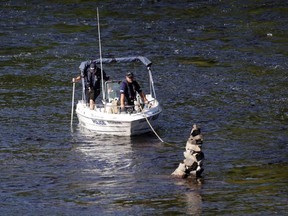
[132,171]
[222,64]
[192,196]
[108,154]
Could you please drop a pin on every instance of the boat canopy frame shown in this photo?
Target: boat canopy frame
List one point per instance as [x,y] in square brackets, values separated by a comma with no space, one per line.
[142,59]
[85,64]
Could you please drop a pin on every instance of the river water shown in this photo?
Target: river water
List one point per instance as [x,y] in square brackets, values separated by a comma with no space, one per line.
[219,64]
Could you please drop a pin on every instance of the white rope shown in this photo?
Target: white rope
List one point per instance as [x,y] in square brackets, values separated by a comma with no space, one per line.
[151,125]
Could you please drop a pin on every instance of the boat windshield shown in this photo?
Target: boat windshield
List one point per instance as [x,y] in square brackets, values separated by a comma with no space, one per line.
[112,90]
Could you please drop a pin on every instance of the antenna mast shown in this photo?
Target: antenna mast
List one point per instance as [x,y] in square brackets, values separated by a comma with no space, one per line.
[100,52]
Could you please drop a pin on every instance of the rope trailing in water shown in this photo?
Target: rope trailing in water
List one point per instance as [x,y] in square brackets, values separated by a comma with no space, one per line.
[150,125]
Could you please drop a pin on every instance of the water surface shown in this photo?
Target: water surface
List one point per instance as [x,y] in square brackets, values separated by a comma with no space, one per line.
[219,64]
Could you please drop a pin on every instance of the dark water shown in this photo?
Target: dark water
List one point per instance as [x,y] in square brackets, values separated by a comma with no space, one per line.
[220,64]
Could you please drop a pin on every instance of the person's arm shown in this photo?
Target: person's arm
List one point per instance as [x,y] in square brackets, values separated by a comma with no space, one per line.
[142,95]
[140,92]
[122,95]
[89,85]
[122,101]
[77,79]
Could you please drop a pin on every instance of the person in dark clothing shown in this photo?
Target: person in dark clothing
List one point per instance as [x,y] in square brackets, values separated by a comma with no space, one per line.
[128,89]
[93,83]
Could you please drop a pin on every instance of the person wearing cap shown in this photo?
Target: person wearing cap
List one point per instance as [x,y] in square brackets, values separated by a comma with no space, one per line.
[92,80]
[93,83]
[128,89]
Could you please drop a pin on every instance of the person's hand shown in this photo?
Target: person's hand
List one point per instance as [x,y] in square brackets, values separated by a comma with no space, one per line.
[122,108]
[89,89]
[77,79]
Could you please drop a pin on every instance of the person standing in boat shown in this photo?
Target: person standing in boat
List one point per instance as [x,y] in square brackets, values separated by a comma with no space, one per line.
[93,83]
[92,80]
[128,89]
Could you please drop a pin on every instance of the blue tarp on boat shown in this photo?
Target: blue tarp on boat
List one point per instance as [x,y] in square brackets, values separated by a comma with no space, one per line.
[142,59]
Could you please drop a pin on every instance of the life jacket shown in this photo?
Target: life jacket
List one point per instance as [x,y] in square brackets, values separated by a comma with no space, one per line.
[130,94]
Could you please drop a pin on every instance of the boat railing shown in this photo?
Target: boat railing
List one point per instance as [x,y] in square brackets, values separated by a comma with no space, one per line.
[130,109]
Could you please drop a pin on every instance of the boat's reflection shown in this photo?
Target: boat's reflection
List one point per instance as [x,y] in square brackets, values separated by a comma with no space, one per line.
[127,166]
[102,153]
[109,154]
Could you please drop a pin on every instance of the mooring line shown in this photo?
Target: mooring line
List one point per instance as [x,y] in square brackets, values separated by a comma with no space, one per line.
[151,125]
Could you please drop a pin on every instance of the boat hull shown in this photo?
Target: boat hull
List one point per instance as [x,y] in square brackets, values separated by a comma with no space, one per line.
[119,124]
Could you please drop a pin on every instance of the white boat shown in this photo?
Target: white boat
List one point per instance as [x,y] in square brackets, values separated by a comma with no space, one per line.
[107,117]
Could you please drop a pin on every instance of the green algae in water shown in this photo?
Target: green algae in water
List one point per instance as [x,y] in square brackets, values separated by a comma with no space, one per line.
[251,189]
[198,61]
[64,28]
[19,49]
[266,174]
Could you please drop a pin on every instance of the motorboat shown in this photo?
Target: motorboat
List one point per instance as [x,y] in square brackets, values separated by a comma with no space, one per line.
[107,116]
